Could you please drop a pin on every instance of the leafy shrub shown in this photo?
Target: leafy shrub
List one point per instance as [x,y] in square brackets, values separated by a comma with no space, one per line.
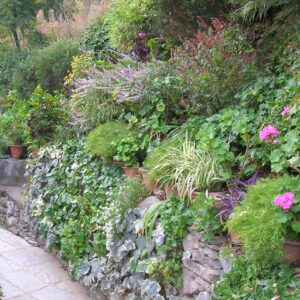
[68,189]
[99,141]
[206,218]
[258,214]
[46,67]
[125,19]
[95,39]
[249,281]
[176,19]
[9,58]
[127,196]
[175,217]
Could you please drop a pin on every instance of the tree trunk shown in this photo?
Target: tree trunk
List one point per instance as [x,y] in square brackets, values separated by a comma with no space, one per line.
[16,38]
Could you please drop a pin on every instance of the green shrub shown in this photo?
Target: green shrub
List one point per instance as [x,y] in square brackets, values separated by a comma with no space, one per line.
[99,141]
[9,58]
[125,19]
[248,281]
[46,67]
[95,39]
[256,221]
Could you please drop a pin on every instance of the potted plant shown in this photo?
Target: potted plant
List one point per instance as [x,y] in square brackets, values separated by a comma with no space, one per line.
[267,222]
[126,150]
[100,141]
[183,170]
[17,138]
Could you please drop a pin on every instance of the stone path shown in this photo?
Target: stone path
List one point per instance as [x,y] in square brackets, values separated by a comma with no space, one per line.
[29,273]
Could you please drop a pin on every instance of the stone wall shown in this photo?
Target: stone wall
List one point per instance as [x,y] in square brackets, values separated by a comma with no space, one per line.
[12,172]
[202,265]
[14,216]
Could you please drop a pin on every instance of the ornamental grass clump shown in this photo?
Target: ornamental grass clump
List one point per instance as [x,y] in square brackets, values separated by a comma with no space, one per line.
[187,169]
[268,217]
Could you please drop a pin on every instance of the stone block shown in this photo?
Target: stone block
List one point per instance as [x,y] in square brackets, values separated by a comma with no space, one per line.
[12,172]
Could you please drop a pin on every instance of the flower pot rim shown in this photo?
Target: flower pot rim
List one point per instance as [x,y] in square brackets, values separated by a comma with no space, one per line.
[17,146]
[292,243]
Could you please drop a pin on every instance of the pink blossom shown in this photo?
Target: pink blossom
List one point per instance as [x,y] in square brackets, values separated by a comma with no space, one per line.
[275,142]
[142,34]
[285,200]
[286,111]
[268,132]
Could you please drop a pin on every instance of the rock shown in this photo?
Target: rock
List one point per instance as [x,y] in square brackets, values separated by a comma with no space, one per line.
[148,202]
[12,221]
[209,275]
[12,172]
[190,287]
[203,296]
[188,243]
[206,261]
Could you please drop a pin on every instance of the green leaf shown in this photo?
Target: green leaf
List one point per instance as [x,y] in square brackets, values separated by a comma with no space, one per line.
[296,226]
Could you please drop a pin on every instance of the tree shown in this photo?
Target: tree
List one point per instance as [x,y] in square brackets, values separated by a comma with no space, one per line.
[20,15]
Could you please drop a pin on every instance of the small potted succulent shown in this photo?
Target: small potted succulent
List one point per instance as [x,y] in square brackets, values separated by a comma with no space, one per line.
[126,150]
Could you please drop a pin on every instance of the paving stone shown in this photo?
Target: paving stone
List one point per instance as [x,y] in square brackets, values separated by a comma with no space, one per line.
[24,281]
[30,273]
[9,289]
[52,293]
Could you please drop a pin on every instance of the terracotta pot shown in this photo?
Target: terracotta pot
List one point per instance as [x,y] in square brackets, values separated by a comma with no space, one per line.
[151,185]
[131,172]
[16,151]
[291,252]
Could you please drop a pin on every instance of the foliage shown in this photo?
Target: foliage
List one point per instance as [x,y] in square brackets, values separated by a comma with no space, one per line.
[187,169]
[13,125]
[174,217]
[46,67]
[127,150]
[220,63]
[9,57]
[206,217]
[258,10]
[95,39]
[257,213]
[100,140]
[270,95]
[19,16]
[126,196]
[176,20]
[125,19]
[68,189]
[126,266]
[249,281]
[46,114]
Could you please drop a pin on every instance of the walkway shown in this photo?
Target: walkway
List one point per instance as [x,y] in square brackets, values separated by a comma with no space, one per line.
[29,273]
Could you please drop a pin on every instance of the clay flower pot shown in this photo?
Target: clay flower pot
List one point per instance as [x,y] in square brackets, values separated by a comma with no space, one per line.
[16,151]
[291,250]
[151,185]
[131,172]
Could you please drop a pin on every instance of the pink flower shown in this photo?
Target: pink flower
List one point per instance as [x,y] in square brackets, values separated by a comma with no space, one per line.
[285,200]
[275,142]
[142,34]
[286,111]
[268,132]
